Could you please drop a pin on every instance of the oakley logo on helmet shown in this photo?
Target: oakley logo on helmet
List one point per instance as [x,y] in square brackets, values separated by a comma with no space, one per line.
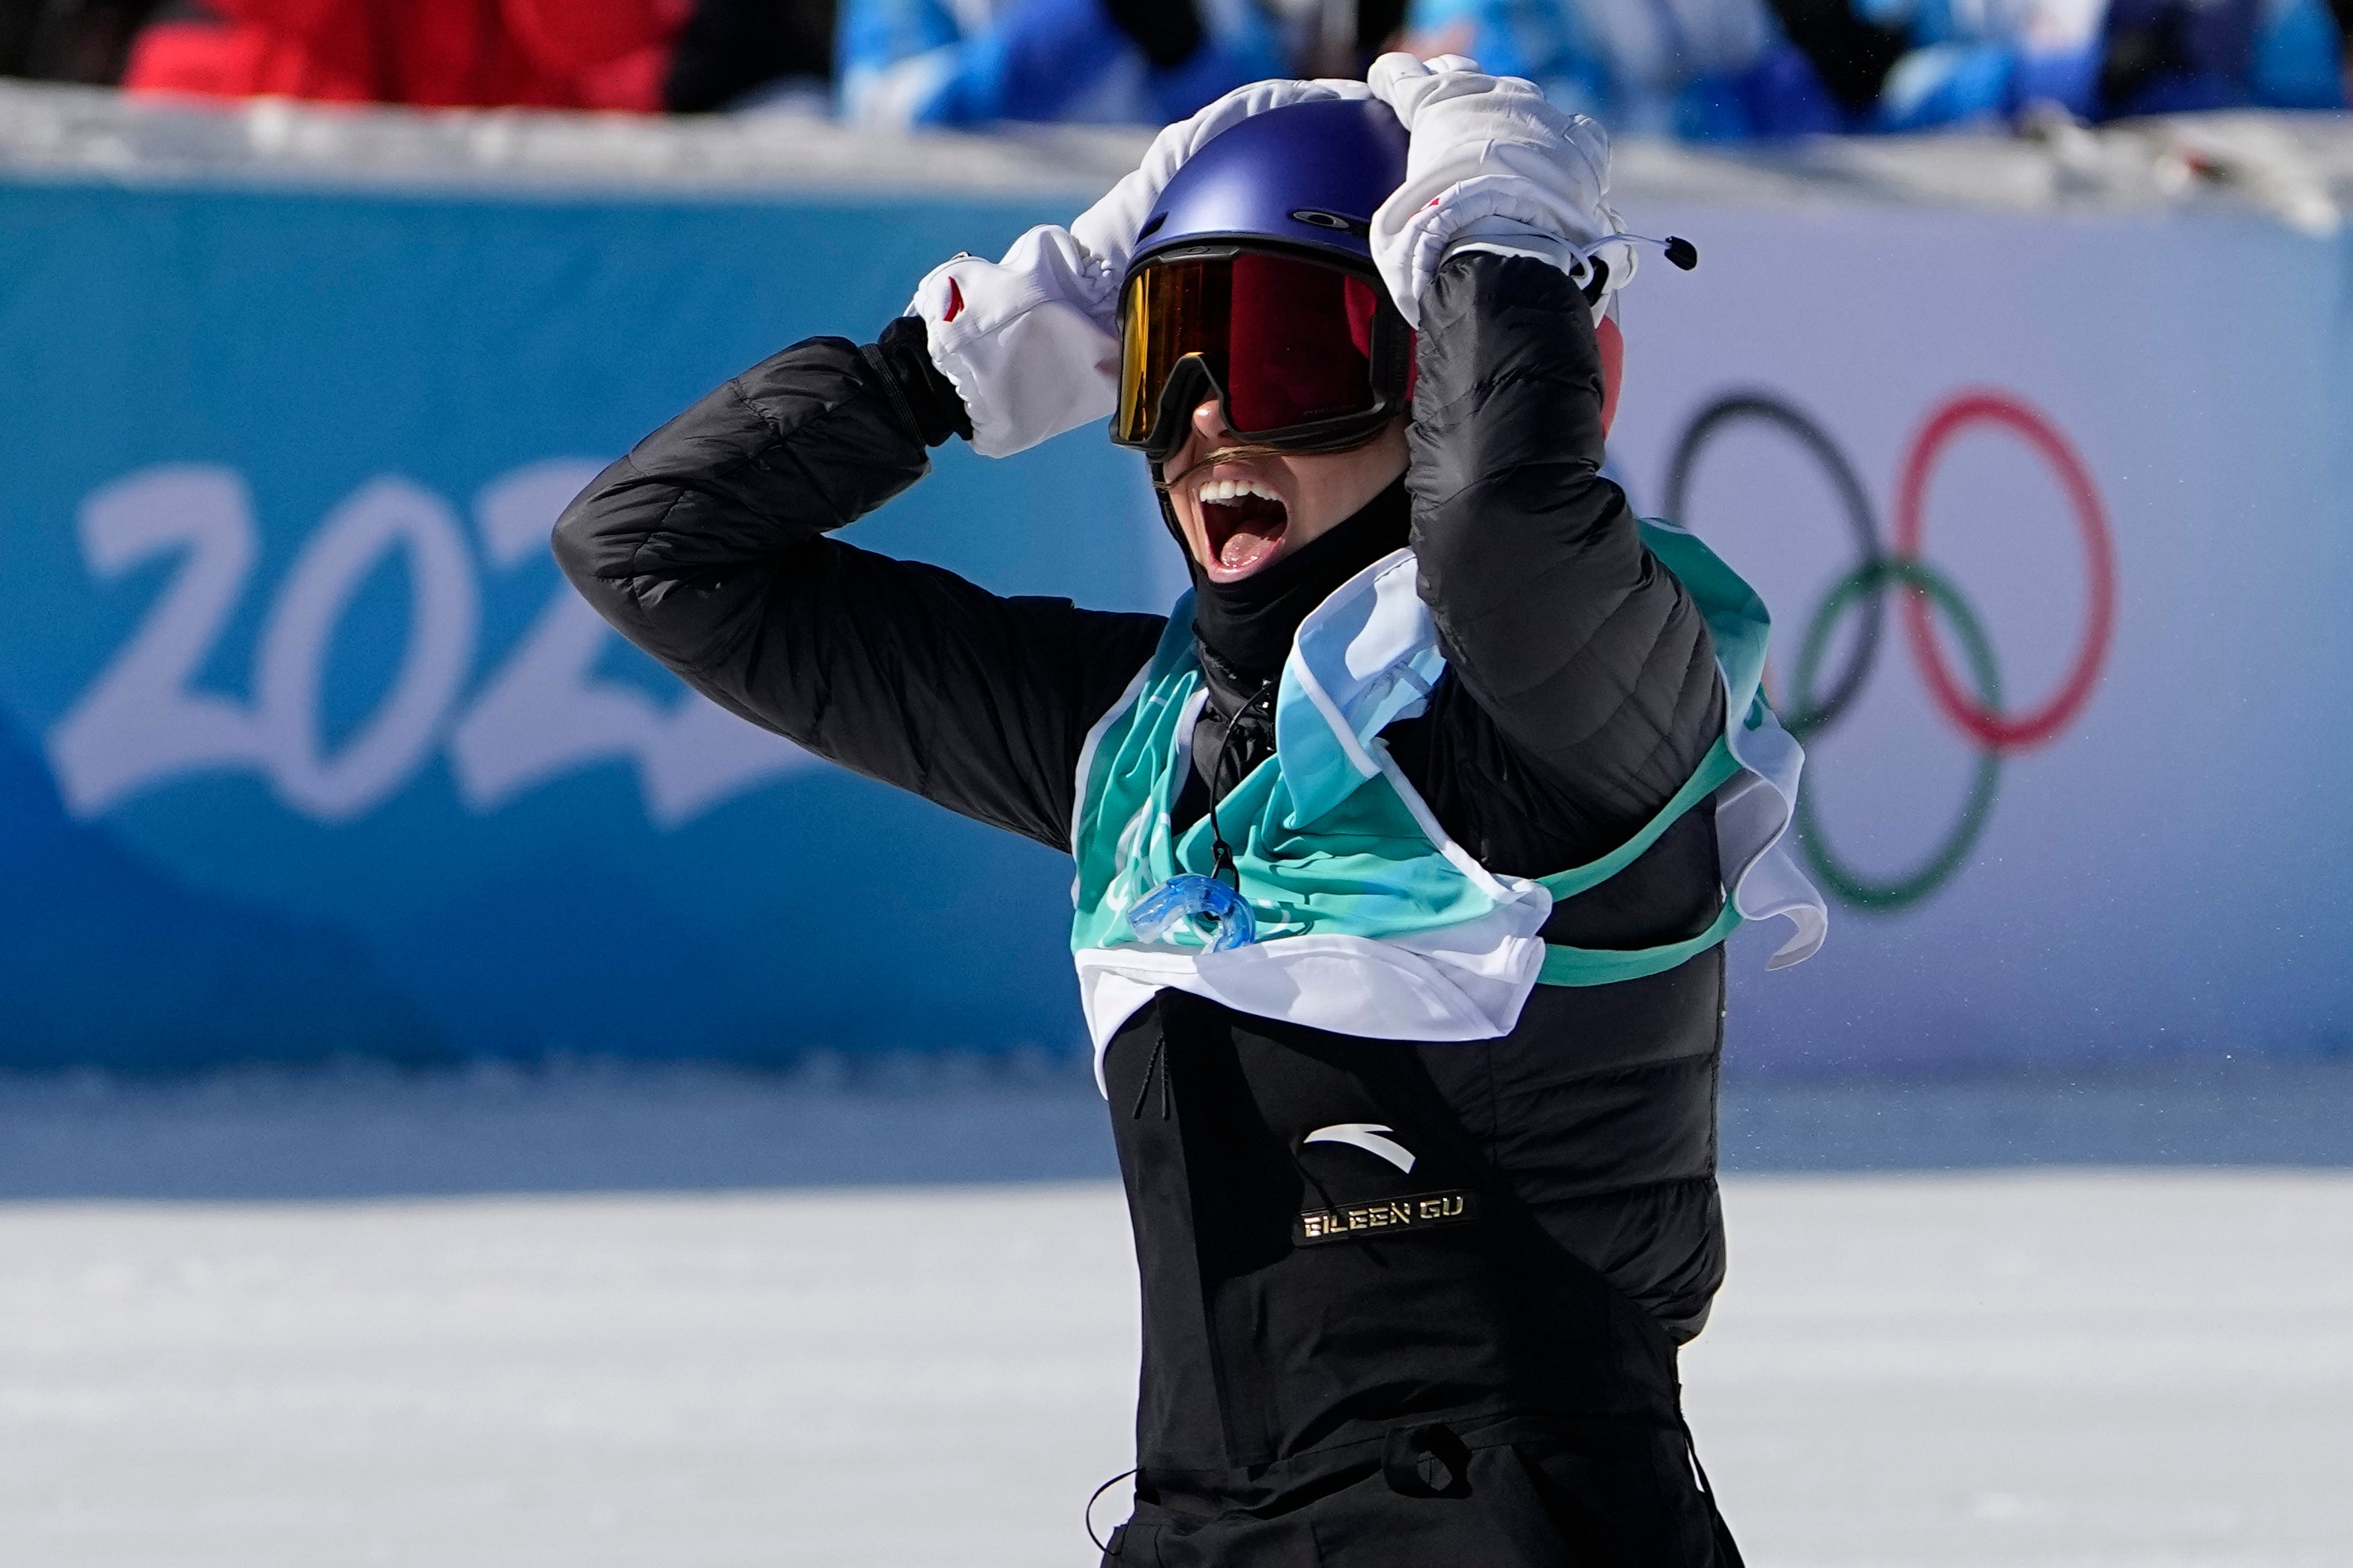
[1322,219]
[1368,1136]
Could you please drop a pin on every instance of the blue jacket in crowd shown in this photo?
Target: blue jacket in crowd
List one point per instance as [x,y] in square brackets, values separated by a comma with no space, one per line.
[961,62]
[1702,70]
[1980,59]
[1727,70]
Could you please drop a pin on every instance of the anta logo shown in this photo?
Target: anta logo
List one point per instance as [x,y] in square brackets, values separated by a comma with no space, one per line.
[1370,1136]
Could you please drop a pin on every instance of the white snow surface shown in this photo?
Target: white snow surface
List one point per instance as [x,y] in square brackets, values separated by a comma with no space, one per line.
[2060,1368]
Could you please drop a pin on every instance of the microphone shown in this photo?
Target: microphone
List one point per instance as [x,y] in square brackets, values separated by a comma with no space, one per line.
[1680,252]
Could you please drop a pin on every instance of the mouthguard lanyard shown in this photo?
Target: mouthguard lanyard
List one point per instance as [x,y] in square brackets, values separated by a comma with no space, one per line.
[1221,863]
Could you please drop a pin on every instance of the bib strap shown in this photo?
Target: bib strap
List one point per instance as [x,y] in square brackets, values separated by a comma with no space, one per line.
[1605,966]
[1564,965]
[1715,771]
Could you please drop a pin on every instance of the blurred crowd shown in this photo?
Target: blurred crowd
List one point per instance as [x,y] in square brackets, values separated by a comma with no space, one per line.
[1702,70]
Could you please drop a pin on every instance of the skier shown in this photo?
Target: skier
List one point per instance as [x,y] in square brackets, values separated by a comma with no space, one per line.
[1405,843]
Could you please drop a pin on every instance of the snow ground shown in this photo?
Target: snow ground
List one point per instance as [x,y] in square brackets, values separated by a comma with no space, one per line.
[2055,1368]
[2068,1369]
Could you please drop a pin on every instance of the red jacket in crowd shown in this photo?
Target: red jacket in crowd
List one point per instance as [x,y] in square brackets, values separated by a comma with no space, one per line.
[549,54]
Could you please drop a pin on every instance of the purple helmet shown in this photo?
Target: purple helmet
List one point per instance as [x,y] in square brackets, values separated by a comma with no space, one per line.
[1253,283]
[1305,177]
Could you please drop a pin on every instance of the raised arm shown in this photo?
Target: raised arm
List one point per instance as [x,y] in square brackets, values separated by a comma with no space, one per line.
[707,547]
[1589,656]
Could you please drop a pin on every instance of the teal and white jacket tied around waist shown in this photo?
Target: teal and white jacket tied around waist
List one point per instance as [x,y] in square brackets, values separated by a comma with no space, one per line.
[1370,920]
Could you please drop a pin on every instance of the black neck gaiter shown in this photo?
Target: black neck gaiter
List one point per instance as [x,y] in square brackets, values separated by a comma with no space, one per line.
[1247,626]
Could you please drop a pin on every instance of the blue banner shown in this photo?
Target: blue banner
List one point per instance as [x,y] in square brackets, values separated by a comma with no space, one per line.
[306,749]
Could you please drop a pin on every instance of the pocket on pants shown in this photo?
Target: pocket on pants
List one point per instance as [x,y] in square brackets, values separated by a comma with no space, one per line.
[1228,1540]
[1132,1546]
[1623,1495]
[1588,1499]
[1438,1503]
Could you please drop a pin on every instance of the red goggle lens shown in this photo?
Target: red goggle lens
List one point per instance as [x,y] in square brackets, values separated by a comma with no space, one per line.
[1289,341]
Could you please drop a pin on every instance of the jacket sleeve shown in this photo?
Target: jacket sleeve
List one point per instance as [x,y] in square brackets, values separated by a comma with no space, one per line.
[707,547]
[1588,656]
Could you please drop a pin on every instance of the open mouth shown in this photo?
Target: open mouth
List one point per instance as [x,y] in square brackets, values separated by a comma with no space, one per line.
[1244,520]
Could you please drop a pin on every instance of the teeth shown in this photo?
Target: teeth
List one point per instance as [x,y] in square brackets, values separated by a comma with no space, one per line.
[1216,491]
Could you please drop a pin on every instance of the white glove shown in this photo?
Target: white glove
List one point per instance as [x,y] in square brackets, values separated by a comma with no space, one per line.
[1031,342]
[1489,166]
[1021,340]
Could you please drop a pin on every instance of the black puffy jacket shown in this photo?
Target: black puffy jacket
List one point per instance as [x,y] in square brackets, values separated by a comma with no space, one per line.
[1582,693]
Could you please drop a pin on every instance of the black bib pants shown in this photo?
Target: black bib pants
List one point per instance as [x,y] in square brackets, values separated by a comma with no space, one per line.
[1351,1364]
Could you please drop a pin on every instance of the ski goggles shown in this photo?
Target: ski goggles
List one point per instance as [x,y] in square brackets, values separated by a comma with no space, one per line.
[1303,354]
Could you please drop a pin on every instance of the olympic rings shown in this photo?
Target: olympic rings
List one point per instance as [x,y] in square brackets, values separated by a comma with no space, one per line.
[1734,407]
[1980,717]
[1911,888]
[1987,724]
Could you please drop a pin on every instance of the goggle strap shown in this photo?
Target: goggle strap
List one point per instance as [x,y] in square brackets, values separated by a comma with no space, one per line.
[1221,455]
